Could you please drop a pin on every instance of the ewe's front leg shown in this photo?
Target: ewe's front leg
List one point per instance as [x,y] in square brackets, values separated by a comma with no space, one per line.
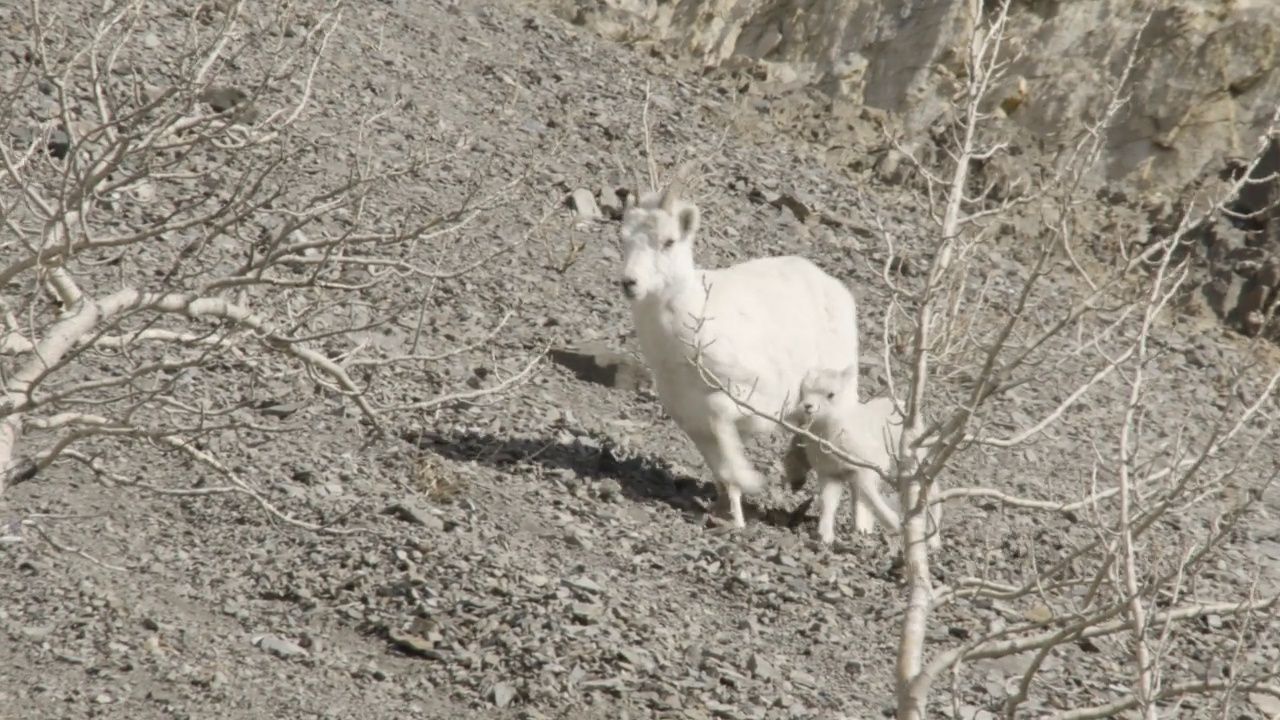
[725,457]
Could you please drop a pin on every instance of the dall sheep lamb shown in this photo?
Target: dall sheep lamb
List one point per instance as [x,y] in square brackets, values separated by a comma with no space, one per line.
[756,327]
[829,408]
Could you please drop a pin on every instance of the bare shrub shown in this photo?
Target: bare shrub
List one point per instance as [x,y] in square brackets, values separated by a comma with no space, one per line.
[1047,363]
[195,259]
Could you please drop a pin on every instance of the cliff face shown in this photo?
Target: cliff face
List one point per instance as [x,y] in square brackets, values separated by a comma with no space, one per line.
[1204,86]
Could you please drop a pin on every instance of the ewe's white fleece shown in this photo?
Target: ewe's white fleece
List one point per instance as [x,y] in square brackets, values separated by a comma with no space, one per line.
[760,324]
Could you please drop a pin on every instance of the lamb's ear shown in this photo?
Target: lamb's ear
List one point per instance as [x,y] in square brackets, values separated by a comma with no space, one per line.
[688,218]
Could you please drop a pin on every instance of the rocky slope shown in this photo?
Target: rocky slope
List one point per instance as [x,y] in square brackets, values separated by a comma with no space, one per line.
[542,554]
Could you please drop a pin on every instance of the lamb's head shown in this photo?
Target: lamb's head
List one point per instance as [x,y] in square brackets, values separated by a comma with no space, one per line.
[823,389]
[657,243]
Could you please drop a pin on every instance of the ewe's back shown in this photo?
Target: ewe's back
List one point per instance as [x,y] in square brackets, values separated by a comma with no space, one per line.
[767,321]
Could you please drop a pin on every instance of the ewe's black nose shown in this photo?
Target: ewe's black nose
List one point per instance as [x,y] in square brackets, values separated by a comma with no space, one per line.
[628,286]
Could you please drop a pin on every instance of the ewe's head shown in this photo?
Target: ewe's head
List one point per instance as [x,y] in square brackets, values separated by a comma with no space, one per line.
[822,389]
[657,243]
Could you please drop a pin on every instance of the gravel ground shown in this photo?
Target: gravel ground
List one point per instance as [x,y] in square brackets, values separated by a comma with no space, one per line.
[542,554]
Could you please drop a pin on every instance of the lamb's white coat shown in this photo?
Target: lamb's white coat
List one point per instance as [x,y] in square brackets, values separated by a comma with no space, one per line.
[760,324]
[829,407]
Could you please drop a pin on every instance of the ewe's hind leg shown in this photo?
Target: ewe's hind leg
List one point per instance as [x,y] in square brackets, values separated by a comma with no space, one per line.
[723,452]
[869,505]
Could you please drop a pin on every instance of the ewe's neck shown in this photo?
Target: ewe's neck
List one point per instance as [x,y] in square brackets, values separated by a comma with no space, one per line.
[685,287]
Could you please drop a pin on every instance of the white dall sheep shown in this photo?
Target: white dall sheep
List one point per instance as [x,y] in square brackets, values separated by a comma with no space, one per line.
[756,327]
[829,408]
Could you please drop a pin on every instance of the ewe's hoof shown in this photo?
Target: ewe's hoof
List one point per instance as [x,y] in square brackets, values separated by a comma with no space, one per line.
[720,507]
[716,525]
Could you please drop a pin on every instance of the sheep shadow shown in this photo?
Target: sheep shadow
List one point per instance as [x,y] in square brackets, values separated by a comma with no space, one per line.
[593,457]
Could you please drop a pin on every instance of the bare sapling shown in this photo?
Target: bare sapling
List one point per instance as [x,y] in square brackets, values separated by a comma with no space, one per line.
[194,257]
[1043,369]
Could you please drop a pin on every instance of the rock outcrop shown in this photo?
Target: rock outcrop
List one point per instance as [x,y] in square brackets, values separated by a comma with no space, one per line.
[1205,82]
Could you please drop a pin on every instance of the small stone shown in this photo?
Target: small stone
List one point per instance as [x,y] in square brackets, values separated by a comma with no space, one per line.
[279,646]
[761,669]
[609,490]
[151,41]
[1268,705]
[1039,614]
[584,584]
[411,513]
[801,677]
[584,204]
[586,612]
[503,694]
[611,202]
[37,633]
[59,143]
[221,99]
[577,538]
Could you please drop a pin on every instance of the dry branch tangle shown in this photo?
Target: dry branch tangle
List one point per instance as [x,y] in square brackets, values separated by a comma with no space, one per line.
[168,238]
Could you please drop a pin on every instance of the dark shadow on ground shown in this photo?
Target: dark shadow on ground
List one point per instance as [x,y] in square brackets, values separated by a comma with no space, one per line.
[593,457]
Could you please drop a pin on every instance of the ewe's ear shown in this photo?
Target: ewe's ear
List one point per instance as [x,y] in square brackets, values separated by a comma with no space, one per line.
[688,218]
[849,374]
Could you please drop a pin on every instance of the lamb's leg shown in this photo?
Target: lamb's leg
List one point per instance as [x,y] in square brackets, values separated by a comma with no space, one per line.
[830,487]
[868,498]
[864,520]
[795,464]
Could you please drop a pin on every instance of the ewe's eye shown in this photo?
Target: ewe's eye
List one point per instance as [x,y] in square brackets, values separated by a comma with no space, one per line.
[831,396]
[670,243]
